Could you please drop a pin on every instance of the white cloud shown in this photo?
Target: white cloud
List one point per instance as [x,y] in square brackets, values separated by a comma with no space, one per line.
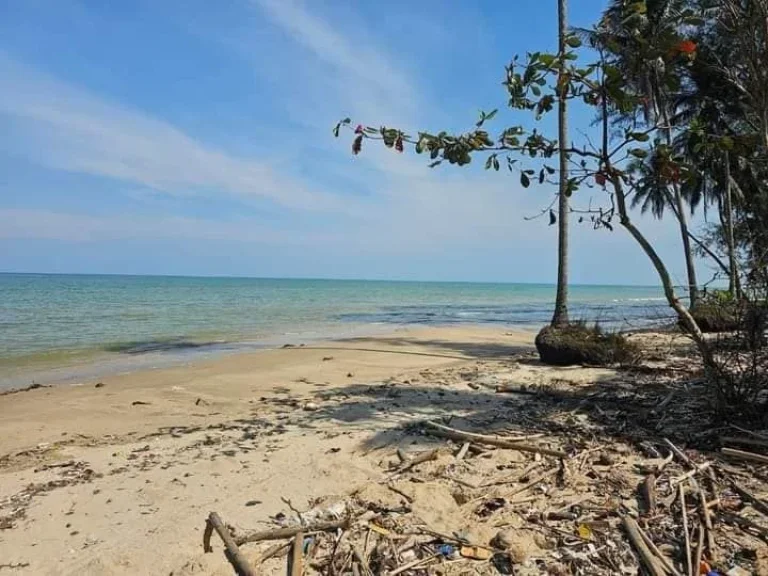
[70,129]
[71,227]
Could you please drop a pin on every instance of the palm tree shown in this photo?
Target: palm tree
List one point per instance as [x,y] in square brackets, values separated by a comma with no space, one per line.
[634,31]
[560,316]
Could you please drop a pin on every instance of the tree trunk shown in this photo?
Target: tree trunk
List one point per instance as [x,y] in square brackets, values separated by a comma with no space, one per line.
[560,317]
[734,286]
[666,280]
[682,218]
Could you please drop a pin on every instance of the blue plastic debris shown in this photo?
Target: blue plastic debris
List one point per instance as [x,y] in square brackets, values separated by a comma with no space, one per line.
[446,550]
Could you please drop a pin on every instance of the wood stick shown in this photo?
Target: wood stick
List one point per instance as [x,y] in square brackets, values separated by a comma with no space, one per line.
[463,451]
[646,556]
[361,559]
[273,551]
[413,564]
[420,459]
[681,492]
[234,555]
[699,550]
[649,493]
[510,478]
[746,523]
[748,441]
[297,555]
[280,533]
[532,483]
[750,432]
[757,504]
[454,434]
[707,520]
[690,473]
[742,455]
[655,549]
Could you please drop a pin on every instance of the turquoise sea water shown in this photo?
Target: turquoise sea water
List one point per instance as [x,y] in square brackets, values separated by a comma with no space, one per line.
[59,319]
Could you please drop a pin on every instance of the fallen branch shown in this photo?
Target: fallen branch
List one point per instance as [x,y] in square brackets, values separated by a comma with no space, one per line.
[420,459]
[454,434]
[742,455]
[649,493]
[297,555]
[646,556]
[532,483]
[280,533]
[690,473]
[655,549]
[234,555]
[681,492]
[707,520]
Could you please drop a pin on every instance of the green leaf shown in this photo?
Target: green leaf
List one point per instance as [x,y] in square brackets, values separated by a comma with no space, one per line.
[491,114]
[573,41]
[542,176]
[547,59]
[524,180]
[552,217]
[536,90]
[549,170]
[489,162]
[495,163]
[639,153]
[336,130]
[639,136]
[346,121]
[433,164]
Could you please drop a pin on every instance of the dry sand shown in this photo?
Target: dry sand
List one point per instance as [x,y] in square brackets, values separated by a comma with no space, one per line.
[116,476]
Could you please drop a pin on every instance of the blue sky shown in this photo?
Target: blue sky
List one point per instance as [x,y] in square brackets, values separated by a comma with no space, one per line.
[194,137]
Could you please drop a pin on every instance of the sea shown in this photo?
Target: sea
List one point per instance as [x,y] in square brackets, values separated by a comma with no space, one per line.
[68,327]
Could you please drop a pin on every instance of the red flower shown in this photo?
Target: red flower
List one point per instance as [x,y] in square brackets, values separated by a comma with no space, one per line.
[359,129]
[600,178]
[687,47]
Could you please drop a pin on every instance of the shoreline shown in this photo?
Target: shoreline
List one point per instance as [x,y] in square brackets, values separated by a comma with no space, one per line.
[169,353]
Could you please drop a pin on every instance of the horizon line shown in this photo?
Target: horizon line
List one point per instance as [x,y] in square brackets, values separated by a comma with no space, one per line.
[323,279]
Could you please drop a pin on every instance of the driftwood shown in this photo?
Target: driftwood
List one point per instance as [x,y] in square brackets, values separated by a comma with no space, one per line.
[660,556]
[454,434]
[297,555]
[742,455]
[463,451]
[420,459]
[699,549]
[684,511]
[710,533]
[647,557]
[234,555]
[649,493]
[280,533]
[532,483]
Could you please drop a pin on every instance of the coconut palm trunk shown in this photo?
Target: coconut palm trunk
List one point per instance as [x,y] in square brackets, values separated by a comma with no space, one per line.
[560,316]
[734,285]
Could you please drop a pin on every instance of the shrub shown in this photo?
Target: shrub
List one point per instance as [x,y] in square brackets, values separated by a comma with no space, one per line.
[577,343]
[717,311]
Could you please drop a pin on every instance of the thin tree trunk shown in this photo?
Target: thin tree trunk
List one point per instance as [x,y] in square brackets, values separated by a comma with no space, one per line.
[560,317]
[733,273]
[666,280]
[682,218]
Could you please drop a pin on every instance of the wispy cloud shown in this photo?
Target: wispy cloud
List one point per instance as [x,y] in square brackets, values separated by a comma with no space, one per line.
[36,224]
[68,128]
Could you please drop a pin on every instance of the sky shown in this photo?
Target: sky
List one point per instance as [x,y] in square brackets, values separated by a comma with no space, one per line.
[192,137]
